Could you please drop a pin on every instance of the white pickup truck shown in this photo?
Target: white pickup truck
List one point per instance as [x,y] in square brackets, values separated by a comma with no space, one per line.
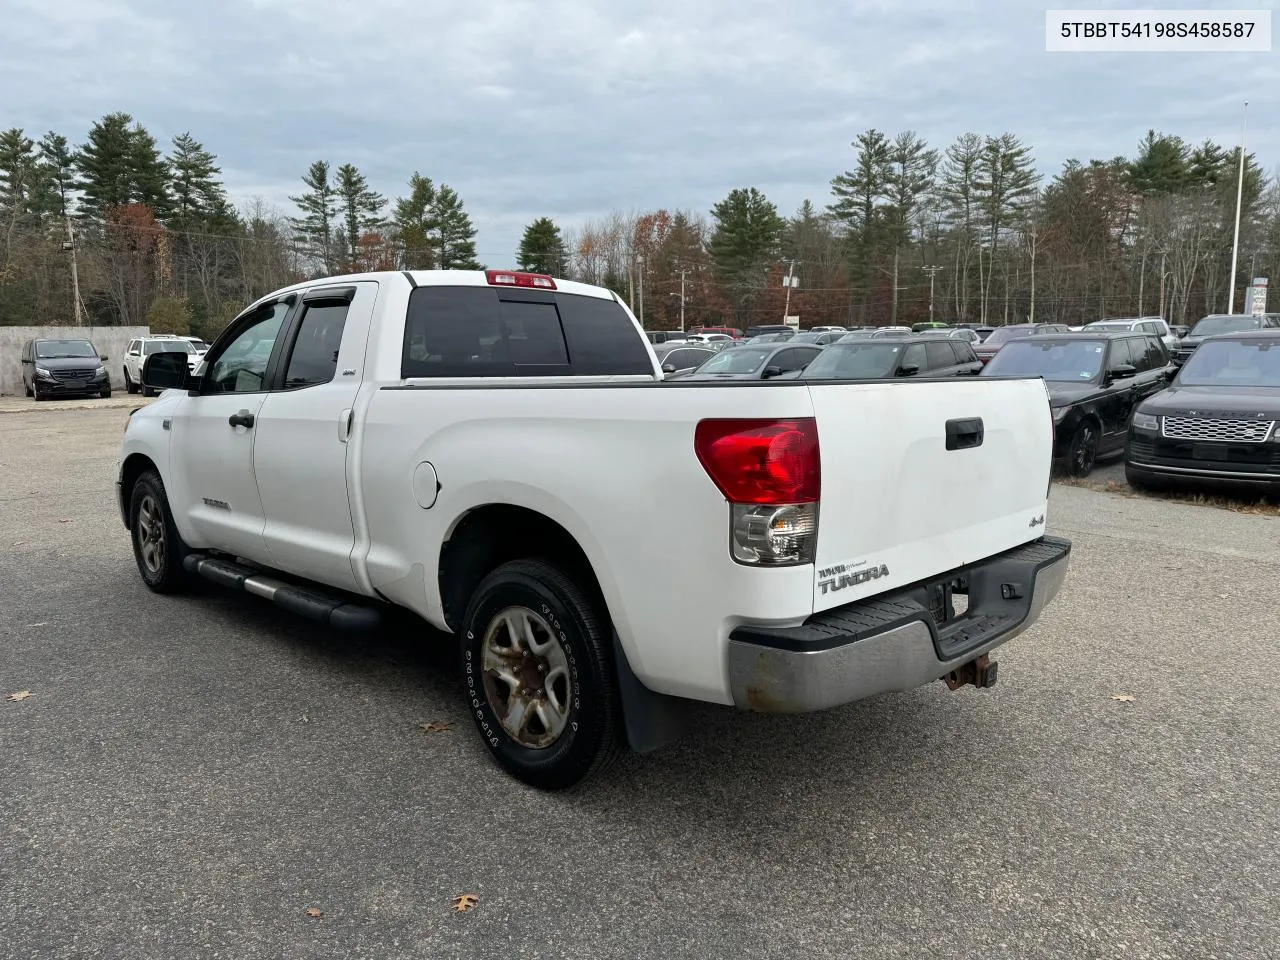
[498,453]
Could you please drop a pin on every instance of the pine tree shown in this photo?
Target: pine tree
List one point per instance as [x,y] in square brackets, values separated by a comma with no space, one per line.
[747,232]
[105,165]
[542,248]
[18,176]
[319,206]
[859,194]
[197,193]
[455,234]
[59,167]
[149,173]
[912,166]
[360,207]
[1161,165]
[415,225]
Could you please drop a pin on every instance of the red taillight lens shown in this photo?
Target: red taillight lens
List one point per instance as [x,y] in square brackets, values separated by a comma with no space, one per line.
[513,278]
[762,461]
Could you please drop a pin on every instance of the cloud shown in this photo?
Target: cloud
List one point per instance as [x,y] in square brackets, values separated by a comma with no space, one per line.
[571,108]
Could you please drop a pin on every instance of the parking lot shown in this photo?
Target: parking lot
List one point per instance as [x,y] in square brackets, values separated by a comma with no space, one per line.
[188,777]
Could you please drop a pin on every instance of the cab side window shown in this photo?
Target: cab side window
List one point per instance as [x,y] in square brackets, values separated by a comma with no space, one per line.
[242,366]
[1120,355]
[314,358]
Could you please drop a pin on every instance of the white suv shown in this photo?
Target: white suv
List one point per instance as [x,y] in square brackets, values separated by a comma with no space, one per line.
[1153,325]
[139,349]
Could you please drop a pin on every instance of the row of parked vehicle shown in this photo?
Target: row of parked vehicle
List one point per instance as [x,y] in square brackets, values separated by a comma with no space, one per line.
[73,367]
[1135,387]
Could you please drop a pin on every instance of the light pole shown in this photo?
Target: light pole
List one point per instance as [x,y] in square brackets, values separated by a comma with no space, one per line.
[75,271]
[682,273]
[1235,243]
[932,271]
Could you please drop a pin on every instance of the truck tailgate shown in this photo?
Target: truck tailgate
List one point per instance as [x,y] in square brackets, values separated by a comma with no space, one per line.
[898,505]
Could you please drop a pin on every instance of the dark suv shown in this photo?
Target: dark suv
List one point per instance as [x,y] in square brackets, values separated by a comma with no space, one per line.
[63,368]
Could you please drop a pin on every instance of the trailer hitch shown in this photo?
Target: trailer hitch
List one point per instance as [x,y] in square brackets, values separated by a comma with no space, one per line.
[980,672]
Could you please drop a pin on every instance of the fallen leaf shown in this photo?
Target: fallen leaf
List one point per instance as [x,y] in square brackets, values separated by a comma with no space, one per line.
[42,623]
[465,902]
[20,695]
[436,726]
[314,912]
[1124,697]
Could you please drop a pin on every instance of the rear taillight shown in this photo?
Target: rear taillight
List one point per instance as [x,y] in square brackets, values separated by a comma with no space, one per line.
[513,278]
[770,472]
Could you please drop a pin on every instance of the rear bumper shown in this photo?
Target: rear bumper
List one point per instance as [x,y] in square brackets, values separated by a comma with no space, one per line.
[893,642]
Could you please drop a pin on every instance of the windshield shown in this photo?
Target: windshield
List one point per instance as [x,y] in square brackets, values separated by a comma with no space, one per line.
[1233,363]
[1002,334]
[807,337]
[1056,360]
[65,349]
[736,361]
[1224,324]
[167,346]
[854,361]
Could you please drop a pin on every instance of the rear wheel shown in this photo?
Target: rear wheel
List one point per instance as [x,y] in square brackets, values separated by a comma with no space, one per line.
[1084,450]
[538,670]
[128,382]
[157,547]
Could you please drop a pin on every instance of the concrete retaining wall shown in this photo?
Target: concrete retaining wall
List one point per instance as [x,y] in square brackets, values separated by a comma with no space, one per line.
[109,340]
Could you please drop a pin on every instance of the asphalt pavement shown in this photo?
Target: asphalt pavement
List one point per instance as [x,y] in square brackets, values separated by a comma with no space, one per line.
[190,775]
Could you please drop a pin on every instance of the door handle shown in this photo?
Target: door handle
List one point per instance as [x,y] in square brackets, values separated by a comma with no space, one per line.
[963,434]
[242,419]
[344,425]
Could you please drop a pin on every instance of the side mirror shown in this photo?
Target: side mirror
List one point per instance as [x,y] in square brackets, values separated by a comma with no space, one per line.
[668,368]
[1122,371]
[163,371]
[908,369]
[770,372]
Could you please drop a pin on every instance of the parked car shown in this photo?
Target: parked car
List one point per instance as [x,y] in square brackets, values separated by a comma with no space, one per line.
[820,337]
[778,336]
[769,328]
[1095,382]
[893,331]
[142,347]
[814,563]
[929,325]
[1217,323]
[1218,422]
[882,357]
[1153,325]
[680,359]
[664,336]
[998,337]
[1179,330]
[854,335]
[756,361]
[952,333]
[708,338]
[732,332]
[63,368]
[983,332]
[828,329]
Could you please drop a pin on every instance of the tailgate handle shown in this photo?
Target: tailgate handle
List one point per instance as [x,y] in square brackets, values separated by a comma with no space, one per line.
[963,434]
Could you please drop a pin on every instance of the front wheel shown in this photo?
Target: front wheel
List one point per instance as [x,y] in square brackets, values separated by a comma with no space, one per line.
[128,382]
[1084,450]
[157,547]
[539,677]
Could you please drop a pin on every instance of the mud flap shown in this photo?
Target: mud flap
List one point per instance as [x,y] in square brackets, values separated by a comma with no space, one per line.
[652,720]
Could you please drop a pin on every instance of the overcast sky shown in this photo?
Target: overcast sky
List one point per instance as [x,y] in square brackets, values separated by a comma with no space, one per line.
[571,108]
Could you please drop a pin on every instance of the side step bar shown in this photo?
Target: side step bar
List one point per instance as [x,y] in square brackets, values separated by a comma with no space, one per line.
[312,604]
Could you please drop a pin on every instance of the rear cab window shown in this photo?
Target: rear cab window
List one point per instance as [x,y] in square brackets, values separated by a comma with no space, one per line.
[485,332]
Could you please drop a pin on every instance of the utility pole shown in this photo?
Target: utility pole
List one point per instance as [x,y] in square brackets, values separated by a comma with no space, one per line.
[932,272]
[1163,254]
[75,273]
[1235,243]
[789,282]
[640,262]
[683,271]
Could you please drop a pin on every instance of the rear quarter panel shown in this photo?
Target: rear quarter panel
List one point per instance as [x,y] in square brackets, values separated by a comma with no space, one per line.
[615,466]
